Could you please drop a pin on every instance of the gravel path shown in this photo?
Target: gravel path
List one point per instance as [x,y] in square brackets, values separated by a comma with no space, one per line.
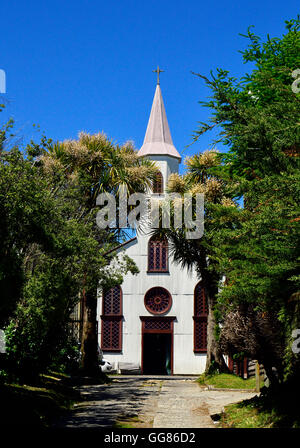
[158,402]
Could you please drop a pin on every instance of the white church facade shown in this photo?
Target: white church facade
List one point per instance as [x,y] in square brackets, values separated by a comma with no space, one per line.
[156,321]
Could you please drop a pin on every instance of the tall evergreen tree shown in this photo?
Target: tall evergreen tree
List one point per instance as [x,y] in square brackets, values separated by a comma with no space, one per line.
[258,118]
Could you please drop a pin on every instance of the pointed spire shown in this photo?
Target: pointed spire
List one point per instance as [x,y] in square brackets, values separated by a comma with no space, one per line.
[158,140]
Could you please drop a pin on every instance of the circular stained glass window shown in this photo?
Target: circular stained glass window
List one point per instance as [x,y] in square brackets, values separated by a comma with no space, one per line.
[158,300]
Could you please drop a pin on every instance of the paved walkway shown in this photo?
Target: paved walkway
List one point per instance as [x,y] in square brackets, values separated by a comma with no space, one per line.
[183,404]
[158,402]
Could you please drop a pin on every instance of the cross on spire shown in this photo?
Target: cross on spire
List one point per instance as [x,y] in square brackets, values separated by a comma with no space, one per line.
[158,71]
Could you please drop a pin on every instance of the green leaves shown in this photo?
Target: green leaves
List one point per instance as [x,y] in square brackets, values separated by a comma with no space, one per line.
[51,249]
[256,248]
[258,253]
[258,115]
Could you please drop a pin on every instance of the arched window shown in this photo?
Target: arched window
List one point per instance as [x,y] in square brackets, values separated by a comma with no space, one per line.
[158,183]
[111,319]
[200,318]
[158,300]
[158,255]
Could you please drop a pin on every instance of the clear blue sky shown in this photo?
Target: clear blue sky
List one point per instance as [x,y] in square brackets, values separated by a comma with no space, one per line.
[87,65]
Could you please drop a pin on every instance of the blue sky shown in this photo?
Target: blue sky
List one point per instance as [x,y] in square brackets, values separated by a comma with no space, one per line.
[87,65]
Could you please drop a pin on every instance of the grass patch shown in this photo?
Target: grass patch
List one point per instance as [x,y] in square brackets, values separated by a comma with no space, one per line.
[245,415]
[134,421]
[152,383]
[226,381]
[36,405]
[127,422]
[262,412]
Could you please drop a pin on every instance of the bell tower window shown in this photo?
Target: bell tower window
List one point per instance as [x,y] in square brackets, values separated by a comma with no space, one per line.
[158,183]
[158,255]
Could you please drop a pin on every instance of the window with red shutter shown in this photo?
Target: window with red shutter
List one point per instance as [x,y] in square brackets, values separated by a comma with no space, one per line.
[200,318]
[158,183]
[158,255]
[111,320]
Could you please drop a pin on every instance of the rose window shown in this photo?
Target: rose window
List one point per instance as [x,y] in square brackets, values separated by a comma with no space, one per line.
[158,300]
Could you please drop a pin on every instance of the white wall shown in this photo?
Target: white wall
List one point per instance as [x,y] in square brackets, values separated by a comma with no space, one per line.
[167,165]
[179,282]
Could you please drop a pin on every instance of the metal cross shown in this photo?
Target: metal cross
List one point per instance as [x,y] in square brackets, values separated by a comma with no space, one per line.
[158,71]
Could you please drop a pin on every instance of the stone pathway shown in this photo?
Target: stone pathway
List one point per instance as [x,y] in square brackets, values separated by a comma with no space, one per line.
[183,404]
[158,402]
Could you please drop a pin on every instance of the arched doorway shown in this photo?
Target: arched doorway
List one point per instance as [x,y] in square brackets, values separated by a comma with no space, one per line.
[157,345]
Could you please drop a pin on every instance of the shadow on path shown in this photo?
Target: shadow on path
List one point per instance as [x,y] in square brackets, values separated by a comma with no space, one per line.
[103,404]
[161,402]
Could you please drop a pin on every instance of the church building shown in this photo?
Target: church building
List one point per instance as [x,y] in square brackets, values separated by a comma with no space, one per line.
[156,321]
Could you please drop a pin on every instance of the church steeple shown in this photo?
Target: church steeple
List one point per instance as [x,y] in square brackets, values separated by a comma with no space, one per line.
[158,140]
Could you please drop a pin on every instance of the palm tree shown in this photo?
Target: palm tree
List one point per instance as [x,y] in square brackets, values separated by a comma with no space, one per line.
[94,165]
[203,176]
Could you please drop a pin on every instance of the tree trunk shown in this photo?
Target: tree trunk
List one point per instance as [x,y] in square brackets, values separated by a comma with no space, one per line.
[89,343]
[214,356]
[214,360]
